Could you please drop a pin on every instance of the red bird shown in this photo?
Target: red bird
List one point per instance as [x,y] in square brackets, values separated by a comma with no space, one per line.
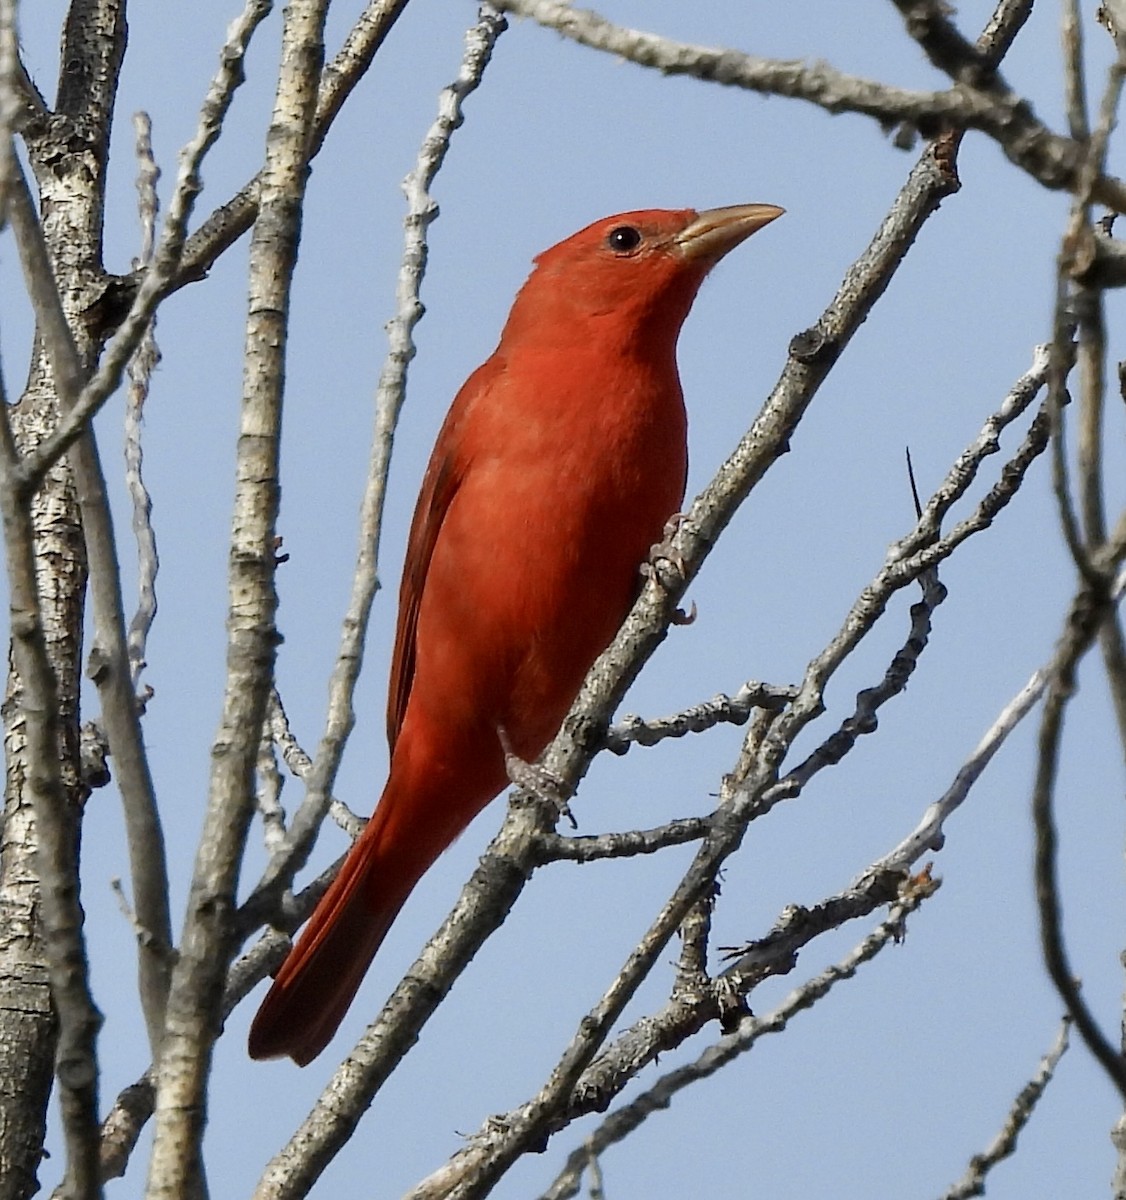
[555,471]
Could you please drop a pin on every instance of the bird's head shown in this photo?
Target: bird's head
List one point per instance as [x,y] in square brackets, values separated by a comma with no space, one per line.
[633,273]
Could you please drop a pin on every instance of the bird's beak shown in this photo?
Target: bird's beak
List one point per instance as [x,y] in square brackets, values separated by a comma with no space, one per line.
[715,231]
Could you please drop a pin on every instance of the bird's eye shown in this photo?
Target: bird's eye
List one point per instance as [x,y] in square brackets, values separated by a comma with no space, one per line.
[623,239]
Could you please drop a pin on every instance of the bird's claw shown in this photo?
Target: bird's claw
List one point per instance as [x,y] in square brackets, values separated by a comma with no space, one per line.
[535,778]
[666,550]
[666,567]
[680,617]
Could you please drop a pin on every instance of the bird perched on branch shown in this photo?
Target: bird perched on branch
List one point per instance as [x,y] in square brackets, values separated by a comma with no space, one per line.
[555,471]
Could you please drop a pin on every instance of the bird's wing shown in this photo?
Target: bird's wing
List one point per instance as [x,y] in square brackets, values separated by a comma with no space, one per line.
[444,474]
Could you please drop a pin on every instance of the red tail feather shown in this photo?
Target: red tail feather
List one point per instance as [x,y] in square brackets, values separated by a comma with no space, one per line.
[323,972]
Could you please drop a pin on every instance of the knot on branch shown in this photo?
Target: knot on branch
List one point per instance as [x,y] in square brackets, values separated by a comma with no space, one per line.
[76,1071]
[93,747]
[813,346]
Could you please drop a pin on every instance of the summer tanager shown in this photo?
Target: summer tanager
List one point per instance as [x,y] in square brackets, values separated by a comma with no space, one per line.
[557,468]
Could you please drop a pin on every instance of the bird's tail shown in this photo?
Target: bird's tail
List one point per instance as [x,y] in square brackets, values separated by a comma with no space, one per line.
[317,982]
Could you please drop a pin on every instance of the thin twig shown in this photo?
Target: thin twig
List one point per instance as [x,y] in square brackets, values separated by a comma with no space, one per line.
[1005,1143]
[928,835]
[751,1030]
[267,796]
[140,369]
[301,766]
[930,23]
[967,465]
[1088,611]
[863,719]
[628,844]
[233,218]
[1075,97]
[721,709]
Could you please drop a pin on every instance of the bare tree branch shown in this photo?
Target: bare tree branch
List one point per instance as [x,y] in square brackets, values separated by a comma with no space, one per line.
[721,709]
[109,662]
[134,1105]
[194,1007]
[929,23]
[694,1005]
[40,706]
[48,459]
[390,393]
[231,220]
[863,719]
[78,1017]
[1088,306]
[122,1126]
[498,881]
[776,953]
[268,793]
[140,369]
[1074,76]
[1088,611]
[162,268]
[751,1029]
[91,55]
[1006,117]
[554,848]
[907,560]
[928,835]
[301,767]
[1005,1143]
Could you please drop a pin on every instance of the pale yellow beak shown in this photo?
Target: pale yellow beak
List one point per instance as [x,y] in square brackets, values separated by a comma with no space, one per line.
[715,231]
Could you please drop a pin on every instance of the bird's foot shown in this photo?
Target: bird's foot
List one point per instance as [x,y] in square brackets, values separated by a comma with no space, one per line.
[535,778]
[666,567]
[666,554]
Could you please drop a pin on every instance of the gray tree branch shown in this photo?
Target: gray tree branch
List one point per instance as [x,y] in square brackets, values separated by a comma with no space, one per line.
[1004,1144]
[209,938]
[390,394]
[1054,161]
